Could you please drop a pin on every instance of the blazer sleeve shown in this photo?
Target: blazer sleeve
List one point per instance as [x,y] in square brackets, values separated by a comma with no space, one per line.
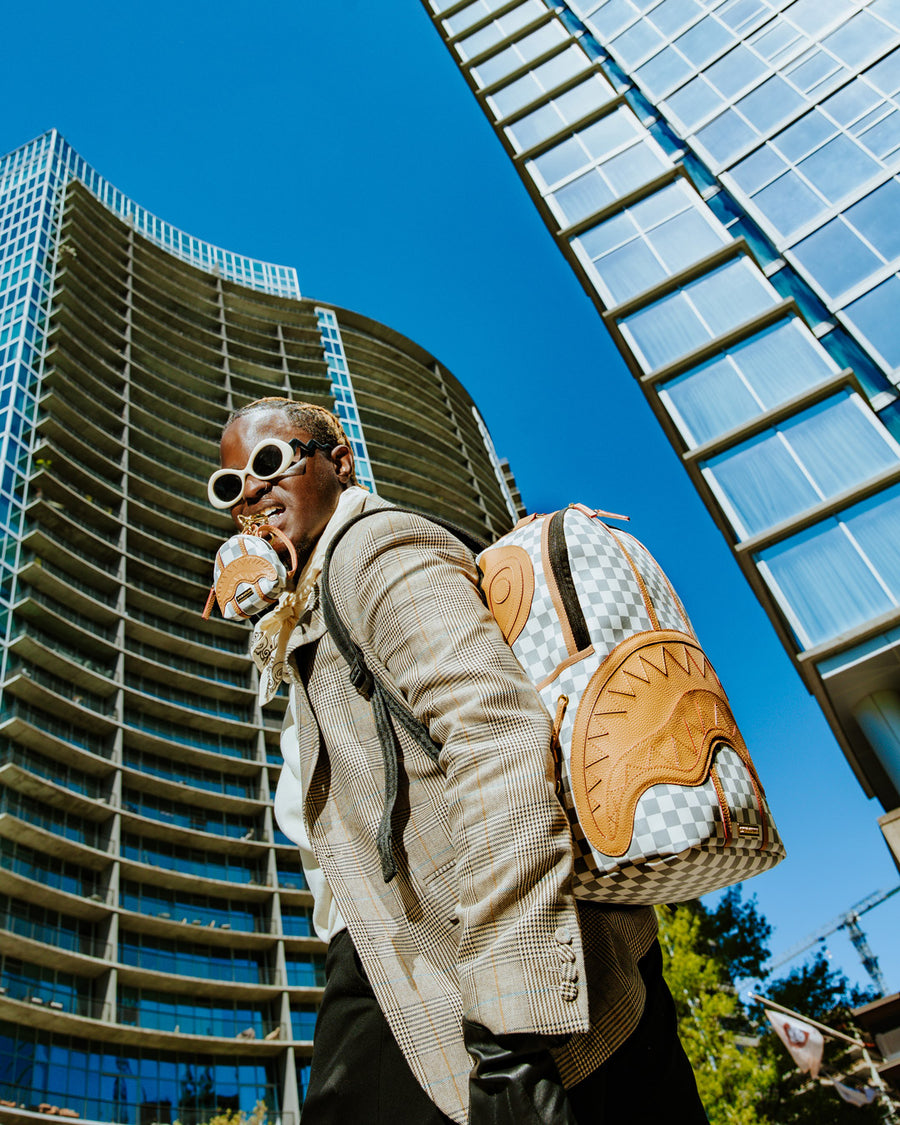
[408,590]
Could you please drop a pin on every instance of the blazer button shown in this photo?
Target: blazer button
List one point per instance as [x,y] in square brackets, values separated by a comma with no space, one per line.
[570,972]
[566,953]
[568,991]
[563,935]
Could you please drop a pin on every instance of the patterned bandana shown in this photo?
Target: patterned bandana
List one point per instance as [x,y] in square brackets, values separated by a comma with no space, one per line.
[292,616]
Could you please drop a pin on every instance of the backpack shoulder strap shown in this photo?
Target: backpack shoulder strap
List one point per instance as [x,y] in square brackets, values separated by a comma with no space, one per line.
[385,703]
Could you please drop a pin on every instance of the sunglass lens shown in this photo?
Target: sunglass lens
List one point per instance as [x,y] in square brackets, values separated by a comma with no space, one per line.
[268,461]
[227,487]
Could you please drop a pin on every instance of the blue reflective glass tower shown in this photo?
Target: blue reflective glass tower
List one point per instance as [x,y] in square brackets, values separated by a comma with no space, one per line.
[723,177]
[156,954]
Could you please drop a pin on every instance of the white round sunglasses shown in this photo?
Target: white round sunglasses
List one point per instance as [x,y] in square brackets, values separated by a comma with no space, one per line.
[270,458]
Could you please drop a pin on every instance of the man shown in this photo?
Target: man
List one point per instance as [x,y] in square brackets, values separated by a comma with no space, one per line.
[475,951]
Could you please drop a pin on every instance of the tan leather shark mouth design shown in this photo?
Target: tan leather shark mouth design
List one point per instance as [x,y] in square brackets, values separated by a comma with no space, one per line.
[508,585]
[653,713]
[248,570]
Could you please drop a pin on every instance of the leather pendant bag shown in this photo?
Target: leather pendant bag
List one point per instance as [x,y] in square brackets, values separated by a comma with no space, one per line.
[248,575]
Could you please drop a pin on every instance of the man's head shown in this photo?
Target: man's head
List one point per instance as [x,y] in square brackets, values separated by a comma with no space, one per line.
[302,496]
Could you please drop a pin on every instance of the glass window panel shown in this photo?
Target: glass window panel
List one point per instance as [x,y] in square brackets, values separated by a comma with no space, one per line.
[885,75]
[775,41]
[770,103]
[631,269]
[703,41]
[781,362]
[838,167]
[552,73]
[514,56]
[835,257]
[719,301]
[684,239]
[612,17]
[663,71]
[583,98]
[472,13]
[762,482]
[849,104]
[759,373]
[889,10]
[857,40]
[601,239]
[725,136]
[839,444]
[876,218]
[789,203]
[542,123]
[561,161]
[667,329]
[500,29]
[875,524]
[694,101]
[875,315]
[735,71]
[758,168]
[731,294]
[811,70]
[803,136]
[883,138]
[636,166]
[812,16]
[671,15]
[583,196]
[710,401]
[639,40]
[617,128]
[824,582]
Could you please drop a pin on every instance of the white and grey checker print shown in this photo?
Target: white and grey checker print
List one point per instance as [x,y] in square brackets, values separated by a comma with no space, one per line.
[679,848]
[669,610]
[541,645]
[610,597]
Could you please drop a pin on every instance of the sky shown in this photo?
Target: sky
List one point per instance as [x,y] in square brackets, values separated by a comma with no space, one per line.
[341,139]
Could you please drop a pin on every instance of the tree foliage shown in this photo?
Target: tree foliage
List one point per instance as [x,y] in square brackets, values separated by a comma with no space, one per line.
[744,1073]
[732,1075]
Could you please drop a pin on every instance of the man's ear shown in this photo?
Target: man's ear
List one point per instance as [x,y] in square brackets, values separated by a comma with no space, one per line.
[342,459]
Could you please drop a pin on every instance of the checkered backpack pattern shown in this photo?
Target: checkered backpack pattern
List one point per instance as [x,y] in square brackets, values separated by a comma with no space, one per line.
[664,800]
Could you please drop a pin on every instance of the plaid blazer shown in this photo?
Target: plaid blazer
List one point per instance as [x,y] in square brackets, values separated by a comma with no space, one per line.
[480,920]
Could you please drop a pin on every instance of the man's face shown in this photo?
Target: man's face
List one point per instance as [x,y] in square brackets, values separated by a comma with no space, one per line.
[299,503]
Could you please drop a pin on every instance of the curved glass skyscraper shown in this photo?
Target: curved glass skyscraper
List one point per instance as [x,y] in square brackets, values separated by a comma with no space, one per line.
[156,954]
[724,178]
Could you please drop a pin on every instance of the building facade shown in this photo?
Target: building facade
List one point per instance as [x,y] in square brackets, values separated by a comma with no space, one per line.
[156,954]
[723,176]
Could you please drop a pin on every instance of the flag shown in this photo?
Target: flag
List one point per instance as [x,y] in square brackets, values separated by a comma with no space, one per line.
[804,1042]
[854,1096]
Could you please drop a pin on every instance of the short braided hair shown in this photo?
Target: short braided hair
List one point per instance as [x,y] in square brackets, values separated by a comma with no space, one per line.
[318,422]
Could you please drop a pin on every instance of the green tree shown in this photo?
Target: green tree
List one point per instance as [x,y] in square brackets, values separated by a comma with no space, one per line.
[733,1075]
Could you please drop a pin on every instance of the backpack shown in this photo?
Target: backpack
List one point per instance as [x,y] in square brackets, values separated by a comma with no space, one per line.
[662,795]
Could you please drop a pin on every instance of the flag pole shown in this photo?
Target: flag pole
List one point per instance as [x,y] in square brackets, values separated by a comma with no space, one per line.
[886,1098]
[806,1019]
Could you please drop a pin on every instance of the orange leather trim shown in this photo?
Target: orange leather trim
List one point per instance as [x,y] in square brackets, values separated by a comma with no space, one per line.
[568,635]
[653,713]
[508,587]
[573,659]
[723,806]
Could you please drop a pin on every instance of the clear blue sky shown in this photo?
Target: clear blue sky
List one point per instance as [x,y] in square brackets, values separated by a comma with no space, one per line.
[339,138]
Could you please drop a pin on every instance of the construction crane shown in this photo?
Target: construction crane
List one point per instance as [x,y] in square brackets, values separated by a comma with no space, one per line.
[848,921]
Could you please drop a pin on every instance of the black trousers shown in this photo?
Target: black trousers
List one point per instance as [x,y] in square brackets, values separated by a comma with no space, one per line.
[359,1075]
